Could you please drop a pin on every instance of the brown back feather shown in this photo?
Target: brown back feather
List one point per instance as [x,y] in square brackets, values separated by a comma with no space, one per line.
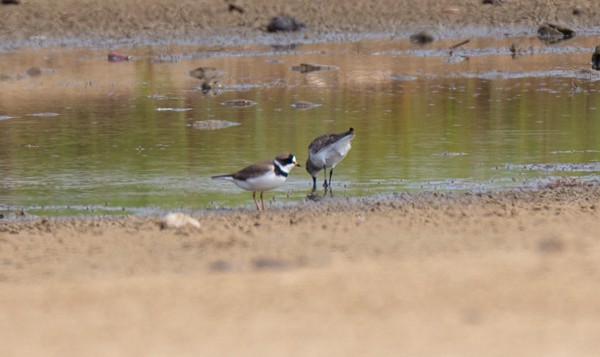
[253,170]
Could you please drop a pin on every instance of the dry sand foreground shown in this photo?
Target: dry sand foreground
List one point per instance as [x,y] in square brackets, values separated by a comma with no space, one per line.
[500,274]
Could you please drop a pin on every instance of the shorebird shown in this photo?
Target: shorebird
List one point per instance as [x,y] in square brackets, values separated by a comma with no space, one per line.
[262,176]
[327,151]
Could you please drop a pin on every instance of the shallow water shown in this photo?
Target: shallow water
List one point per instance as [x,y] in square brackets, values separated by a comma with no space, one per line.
[83,135]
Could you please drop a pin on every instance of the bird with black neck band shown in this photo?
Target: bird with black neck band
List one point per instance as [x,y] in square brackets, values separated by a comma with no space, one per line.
[262,176]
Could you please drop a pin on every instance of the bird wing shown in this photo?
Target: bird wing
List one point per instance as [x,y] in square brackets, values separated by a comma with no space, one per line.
[322,142]
[326,140]
[253,170]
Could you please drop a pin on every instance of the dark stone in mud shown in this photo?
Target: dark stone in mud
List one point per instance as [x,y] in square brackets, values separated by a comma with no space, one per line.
[551,245]
[239,103]
[269,264]
[596,59]
[514,49]
[207,86]
[284,24]
[34,72]
[235,8]
[552,33]
[205,73]
[208,77]
[421,38]
[115,56]
[310,67]
[518,50]
[288,47]
[220,266]
[492,2]
[578,11]
[11,2]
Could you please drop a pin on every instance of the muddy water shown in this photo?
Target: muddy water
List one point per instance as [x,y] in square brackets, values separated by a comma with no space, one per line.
[81,134]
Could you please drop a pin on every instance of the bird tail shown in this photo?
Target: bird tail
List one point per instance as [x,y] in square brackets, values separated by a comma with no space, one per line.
[222,177]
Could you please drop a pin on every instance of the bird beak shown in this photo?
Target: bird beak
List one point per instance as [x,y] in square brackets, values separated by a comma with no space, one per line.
[297,165]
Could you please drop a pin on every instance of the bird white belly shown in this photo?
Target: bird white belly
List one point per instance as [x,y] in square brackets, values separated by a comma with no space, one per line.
[332,155]
[261,183]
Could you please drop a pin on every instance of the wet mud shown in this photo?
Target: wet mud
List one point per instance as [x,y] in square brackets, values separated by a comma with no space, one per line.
[38,22]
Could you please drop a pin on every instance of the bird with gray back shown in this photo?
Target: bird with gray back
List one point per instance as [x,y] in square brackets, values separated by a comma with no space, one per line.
[326,151]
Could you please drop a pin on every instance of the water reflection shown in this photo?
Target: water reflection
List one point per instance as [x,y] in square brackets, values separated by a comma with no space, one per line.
[132,134]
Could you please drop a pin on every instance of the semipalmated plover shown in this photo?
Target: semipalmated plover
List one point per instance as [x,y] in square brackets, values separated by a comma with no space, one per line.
[327,151]
[263,176]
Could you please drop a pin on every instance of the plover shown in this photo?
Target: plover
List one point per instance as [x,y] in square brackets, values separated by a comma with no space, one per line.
[263,176]
[327,151]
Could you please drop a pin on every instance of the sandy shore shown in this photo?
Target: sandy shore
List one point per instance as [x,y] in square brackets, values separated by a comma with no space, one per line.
[465,274]
[497,274]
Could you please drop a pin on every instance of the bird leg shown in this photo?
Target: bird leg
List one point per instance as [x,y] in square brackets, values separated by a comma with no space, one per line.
[261,200]
[325,177]
[329,187]
[314,188]
[254,198]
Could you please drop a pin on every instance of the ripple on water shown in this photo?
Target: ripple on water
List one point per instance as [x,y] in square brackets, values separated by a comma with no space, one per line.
[45,114]
[173,109]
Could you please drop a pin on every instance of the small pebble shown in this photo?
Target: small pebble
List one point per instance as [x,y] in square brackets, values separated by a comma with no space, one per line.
[178,220]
